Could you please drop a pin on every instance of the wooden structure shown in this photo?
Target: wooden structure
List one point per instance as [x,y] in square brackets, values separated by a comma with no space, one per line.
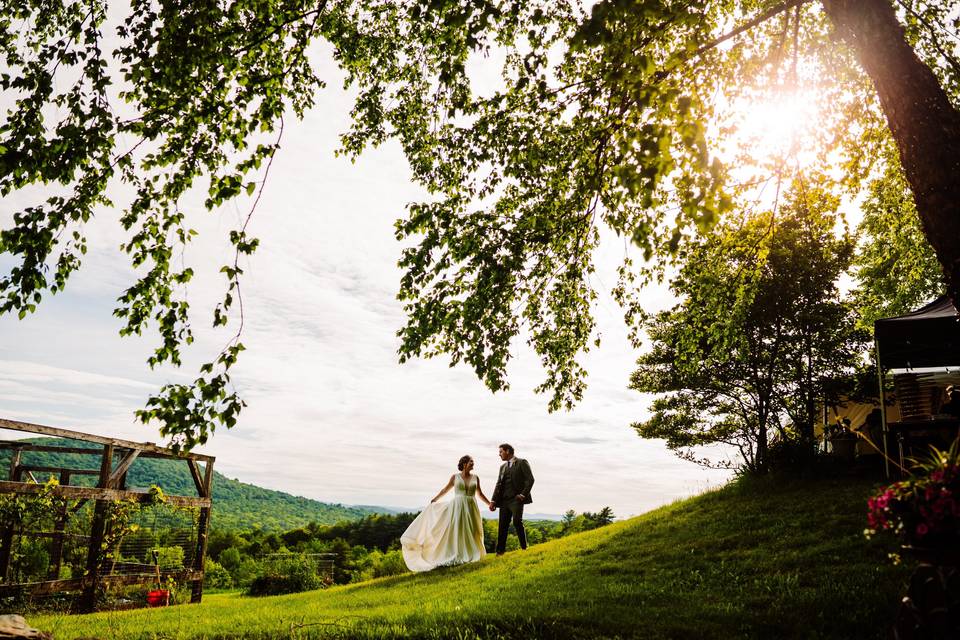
[920,348]
[116,458]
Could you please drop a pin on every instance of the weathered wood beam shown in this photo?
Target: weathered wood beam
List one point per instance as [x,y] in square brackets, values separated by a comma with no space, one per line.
[96,493]
[197,479]
[98,531]
[203,523]
[114,480]
[196,591]
[208,479]
[6,548]
[74,584]
[59,470]
[14,463]
[88,437]
[26,446]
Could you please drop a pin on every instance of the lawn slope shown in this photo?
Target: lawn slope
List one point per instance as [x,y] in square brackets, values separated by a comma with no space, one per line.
[757,559]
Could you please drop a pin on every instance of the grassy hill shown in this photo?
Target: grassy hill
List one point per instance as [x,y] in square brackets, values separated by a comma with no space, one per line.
[756,559]
[237,505]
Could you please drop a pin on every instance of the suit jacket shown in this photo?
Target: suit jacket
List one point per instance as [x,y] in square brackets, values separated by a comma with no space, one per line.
[521,478]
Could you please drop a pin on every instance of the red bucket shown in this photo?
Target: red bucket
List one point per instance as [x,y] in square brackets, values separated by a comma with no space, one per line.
[158,598]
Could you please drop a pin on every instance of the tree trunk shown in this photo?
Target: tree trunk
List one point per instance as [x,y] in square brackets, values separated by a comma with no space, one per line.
[925,126]
[762,440]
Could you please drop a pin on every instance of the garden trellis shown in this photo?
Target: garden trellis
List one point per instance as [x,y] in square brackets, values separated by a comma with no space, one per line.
[80,531]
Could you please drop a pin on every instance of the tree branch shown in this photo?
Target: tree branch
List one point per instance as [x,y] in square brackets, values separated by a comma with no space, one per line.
[763,17]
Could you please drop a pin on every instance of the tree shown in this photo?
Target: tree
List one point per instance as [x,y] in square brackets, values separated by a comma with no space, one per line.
[599,519]
[896,269]
[230,559]
[343,561]
[759,338]
[607,119]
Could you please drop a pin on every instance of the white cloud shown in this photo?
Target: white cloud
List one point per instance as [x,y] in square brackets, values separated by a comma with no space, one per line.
[331,414]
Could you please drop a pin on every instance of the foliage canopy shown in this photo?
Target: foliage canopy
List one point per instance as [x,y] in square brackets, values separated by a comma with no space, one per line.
[615,117]
[759,338]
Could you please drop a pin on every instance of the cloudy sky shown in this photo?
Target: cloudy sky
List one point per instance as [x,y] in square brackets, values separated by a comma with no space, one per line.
[331,414]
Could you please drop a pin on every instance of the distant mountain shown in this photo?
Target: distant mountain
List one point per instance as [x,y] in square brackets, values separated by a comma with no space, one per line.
[236,505]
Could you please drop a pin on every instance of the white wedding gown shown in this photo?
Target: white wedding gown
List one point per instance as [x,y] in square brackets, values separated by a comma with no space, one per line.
[446,533]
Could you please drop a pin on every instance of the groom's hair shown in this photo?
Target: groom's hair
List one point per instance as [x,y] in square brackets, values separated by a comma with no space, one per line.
[507,447]
[463,462]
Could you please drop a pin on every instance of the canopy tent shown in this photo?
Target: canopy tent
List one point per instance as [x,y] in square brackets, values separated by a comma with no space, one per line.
[927,337]
[923,339]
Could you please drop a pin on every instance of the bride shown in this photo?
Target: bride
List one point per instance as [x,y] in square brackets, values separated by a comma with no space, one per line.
[448,533]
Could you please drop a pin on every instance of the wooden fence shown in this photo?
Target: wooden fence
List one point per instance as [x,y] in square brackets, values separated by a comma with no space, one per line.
[116,458]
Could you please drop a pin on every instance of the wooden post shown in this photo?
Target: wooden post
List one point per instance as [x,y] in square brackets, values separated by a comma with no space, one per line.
[14,463]
[6,549]
[883,414]
[56,544]
[88,601]
[118,476]
[6,539]
[203,522]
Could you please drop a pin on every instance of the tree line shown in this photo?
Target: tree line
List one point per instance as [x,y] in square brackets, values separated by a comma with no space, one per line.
[360,550]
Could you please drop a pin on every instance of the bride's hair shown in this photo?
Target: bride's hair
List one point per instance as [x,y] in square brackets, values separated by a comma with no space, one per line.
[463,462]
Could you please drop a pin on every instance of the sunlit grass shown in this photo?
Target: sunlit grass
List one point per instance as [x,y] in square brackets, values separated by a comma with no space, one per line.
[754,559]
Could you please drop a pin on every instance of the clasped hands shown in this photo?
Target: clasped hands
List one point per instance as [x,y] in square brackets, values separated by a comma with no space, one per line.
[493,505]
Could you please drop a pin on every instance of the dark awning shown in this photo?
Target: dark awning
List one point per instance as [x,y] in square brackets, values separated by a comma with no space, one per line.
[927,337]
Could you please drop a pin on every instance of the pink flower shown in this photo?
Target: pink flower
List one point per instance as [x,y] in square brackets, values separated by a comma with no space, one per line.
[922,529]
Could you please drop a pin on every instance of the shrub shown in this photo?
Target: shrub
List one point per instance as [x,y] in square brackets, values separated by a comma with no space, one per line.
[248,570]
[286,576]
[391,564]
[230,559]
[215,576]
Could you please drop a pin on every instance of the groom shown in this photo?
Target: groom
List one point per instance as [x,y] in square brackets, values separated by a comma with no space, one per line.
[510,494]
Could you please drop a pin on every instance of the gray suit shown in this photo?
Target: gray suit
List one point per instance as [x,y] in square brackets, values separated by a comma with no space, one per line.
[515,479]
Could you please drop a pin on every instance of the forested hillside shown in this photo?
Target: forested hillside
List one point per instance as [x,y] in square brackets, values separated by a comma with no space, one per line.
[237,505]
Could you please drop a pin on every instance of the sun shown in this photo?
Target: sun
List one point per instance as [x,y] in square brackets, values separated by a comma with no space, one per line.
[772,130]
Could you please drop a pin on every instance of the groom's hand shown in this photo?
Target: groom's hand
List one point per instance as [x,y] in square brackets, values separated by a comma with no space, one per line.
[520,497]
[493,506]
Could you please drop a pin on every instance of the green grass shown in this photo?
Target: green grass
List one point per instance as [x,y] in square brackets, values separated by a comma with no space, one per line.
[756,559]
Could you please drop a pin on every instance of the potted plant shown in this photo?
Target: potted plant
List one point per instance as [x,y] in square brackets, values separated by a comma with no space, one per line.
[923,510]
[158,597]
[842,440]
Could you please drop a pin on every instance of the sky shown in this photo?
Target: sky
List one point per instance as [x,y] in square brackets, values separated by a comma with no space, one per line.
[331,413]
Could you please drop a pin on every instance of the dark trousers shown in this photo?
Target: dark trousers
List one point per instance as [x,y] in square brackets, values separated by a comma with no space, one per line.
[512,510]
